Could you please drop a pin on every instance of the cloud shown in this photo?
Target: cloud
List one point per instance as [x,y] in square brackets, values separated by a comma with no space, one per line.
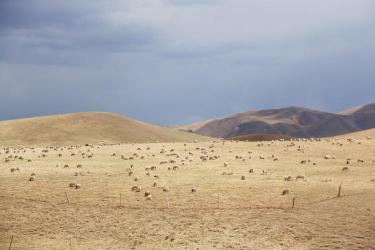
[173,61]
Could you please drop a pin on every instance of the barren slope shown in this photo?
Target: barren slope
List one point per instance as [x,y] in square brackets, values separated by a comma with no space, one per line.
[82,128]
[291,121]
[368,133]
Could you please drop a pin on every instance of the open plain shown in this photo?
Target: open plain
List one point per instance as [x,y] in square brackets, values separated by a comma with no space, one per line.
[202,195]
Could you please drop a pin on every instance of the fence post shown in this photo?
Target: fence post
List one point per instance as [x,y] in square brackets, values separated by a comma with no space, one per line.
[67,198]
[11,241]
[339,193]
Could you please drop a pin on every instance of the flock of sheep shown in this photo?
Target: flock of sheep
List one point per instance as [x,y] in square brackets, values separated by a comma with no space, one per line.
[191,154]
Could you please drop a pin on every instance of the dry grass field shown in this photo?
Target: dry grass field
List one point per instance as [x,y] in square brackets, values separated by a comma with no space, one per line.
[203,196]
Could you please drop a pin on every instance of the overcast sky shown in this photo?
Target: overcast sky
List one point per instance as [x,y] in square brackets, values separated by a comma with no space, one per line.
[178,61]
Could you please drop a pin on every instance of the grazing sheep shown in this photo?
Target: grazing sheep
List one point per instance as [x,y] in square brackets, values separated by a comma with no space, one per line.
[136,189]
[131,173]
[175,168]
[155,184]
[285,192]
[243,178]
[329,157]
[287,178]
[72,184]
[79,166]
[32,178]
[165,189]
[78,186]
[300,177]
[345,169]
[148,195]
[251,171]
[193,190]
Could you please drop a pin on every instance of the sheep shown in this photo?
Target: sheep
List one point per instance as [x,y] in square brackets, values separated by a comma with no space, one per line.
[285,192]
[165,189]
[78,186]
[329,157]
[136,189]
[300,177]
[175,168]
[131,173]
[148,195]
[72,184]
[344,169]
[287,178]
[243,178]
[32,178]
[193,190]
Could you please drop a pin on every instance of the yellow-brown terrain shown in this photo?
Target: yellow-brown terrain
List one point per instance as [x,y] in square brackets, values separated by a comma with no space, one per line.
[205,195]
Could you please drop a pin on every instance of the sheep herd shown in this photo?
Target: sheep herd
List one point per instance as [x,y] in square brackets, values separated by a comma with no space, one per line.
[174,160]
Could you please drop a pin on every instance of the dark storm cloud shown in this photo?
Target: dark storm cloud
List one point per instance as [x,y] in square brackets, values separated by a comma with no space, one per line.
[176,61]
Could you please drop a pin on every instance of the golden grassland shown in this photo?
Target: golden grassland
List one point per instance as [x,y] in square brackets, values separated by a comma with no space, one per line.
[231,208]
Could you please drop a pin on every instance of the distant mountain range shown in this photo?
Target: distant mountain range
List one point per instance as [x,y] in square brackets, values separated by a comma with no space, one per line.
[290,122]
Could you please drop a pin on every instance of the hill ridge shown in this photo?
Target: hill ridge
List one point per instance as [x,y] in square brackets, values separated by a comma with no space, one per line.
[86,127]
[291,121]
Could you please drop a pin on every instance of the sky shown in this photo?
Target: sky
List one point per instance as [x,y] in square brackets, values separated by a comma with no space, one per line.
[174,62]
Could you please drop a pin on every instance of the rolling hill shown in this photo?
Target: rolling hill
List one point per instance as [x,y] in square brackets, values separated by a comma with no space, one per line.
[368,133]
[290,121]
[82,128]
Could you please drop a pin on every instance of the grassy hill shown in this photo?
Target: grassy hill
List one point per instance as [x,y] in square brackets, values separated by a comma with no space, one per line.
[82,128]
